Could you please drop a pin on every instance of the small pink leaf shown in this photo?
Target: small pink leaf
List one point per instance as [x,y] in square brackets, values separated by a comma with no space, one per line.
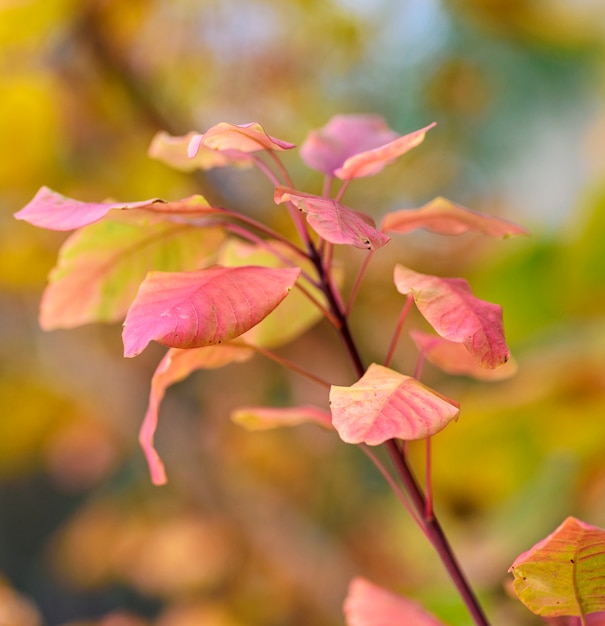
[446,218]
[51,210]
[564,574]
[327,148]
[450,307]
[174,367]
[333,221]
[454,358]
[373,161]
[265,418]
[210,306]
[174,151]
[368,604]
[384,404]
[240,137]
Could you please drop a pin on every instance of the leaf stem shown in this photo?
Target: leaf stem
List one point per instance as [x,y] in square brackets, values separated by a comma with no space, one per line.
[400,322]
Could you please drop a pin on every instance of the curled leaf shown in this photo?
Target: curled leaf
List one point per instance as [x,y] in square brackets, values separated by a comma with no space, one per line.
[201,308]
[174,151]
[239,137]
[333,221]
[450,307]
[564,574]
[368,604]
[446,218]
[265,418]
[384,404]
[49,209]
[454,358]
[174,367]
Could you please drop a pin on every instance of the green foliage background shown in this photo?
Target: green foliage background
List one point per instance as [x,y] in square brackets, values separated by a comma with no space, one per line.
[269,528]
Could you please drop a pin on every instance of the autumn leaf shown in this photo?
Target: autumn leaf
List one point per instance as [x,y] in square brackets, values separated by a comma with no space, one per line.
[236,137]
[333,221]
[450,307]
[174,151]
[49,209]
[446,218]
[564,574]
[368,604]
[101,266]
[265,418]
[174,367]
[352,146]
[206,307]
[454,358]
[384,404]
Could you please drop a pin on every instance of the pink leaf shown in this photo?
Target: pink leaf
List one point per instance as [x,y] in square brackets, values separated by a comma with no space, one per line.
[175,366]
[174,151]
[384,404]
[446,218]
[333,221]
[210,306]
[51,210]
[239,137]
[344,136]
[450,307]
[368,604]
[265,418]
[454,358]
[564,574]
[373,161]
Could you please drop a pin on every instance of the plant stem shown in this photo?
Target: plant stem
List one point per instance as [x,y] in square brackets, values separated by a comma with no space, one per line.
[429,522]
[435,534]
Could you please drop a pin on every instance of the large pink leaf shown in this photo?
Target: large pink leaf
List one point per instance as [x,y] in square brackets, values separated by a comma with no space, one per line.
[327,148]
[49,209]
[454,358]
[368,604]
[384,404]
[174,151]
[240,137]
[373,161]
[265,418]
[446,218]
[210,306]
[564,574]
[174,367]
[450,307]
[101,266]
[333,221]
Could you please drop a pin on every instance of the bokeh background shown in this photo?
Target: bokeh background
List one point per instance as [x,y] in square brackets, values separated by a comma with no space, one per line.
[268,528]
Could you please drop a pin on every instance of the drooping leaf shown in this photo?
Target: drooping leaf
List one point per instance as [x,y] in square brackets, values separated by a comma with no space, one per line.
[564,574]
[206,307]
[450,307]
[49,209]
[297,313]
[327,148]
[368,604]
[446,218]
[454,358]
[174,151]
[333,221]
[265,418]
[375,160]
[101,266]
[174,367]
[240,137]
[384,404]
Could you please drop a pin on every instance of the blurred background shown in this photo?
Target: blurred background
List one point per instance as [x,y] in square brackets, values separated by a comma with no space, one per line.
[268,528]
